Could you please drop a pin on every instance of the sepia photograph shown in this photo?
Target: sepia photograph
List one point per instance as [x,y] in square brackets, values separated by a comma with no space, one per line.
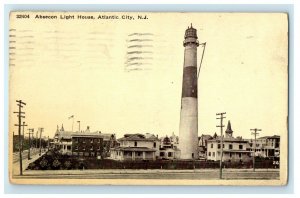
[148,98]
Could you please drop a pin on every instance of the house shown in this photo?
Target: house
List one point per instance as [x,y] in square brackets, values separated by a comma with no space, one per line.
[92,144]
[169,148]
[202,145]
[267,146]
[234,149]
[83,143]
[62,140]
[136,147]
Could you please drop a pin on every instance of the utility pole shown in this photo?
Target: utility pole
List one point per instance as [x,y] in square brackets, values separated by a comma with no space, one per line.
[254,148]
[29,133]
[78,126]
[48,143]
[41,131]
[221,127]
[36,139]
[19,113]
[23,138]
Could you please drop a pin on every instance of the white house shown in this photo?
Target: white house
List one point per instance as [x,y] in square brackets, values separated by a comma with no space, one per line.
[136,147]
[234,149]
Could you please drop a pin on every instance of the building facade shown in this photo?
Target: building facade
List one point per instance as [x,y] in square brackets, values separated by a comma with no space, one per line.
[84,143]
[265,147]
[136,147]
[234,149]
[169,148]
[87,145]
[202,145]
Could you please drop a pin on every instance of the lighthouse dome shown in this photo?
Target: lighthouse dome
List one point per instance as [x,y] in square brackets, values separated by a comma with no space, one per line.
[191,33]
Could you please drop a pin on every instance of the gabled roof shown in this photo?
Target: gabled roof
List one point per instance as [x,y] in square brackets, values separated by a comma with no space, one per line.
[204,136]
[137,137]
[270,137]
[69,134]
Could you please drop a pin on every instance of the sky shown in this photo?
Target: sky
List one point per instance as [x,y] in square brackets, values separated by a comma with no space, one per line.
[125,76]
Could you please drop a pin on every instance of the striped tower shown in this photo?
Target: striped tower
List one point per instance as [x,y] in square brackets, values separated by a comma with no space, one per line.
[188,129]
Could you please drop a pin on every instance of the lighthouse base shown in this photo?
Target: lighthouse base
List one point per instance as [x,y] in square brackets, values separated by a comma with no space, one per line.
[188,129]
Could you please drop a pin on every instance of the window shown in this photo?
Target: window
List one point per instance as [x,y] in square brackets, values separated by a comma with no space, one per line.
[240,146]
[68,147]
[209,153]
[154,144]
[213,154]
[162,154]
[169,154]
[230,147]
[139,153]
[212,146]
[135,143]
[223,145]
[240,155]
[219,146]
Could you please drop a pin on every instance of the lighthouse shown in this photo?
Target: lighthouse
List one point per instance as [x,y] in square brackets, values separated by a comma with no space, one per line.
[188,128]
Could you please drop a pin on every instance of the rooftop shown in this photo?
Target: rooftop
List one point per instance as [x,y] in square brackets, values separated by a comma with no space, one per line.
[70,134]
[133,149]
[138,137]
[228,139]
[270,137]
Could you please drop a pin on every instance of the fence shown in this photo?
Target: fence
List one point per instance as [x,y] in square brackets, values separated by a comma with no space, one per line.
[53,160]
